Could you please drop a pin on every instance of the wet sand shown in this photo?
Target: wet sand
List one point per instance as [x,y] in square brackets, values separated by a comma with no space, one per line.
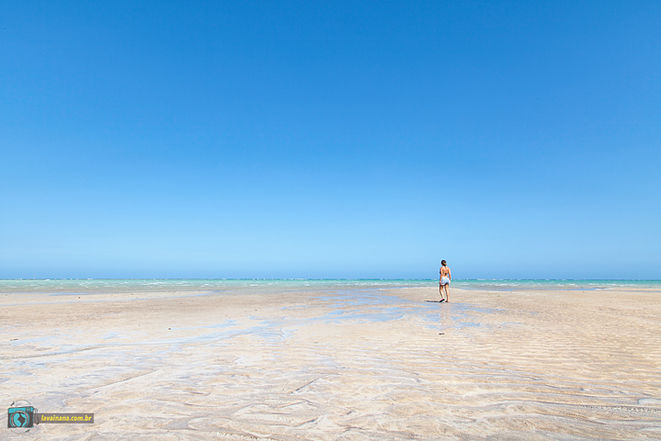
[337,364]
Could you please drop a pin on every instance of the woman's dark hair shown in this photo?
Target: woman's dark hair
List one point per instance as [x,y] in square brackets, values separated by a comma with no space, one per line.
[443,262]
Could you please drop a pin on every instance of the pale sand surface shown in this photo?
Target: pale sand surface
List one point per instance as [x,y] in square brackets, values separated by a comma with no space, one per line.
[335,364]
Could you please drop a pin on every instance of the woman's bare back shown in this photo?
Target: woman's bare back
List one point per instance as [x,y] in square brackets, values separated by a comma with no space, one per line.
[445,272]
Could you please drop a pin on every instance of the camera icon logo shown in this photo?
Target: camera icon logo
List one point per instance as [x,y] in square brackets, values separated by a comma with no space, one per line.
[20,417]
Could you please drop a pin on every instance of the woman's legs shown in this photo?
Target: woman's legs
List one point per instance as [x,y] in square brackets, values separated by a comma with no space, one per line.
[442,287]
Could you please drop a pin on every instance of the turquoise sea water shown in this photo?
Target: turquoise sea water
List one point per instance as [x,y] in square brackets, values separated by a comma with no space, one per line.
[123,285]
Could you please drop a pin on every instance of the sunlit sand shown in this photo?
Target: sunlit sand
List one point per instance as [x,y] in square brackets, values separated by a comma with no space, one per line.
[329,362]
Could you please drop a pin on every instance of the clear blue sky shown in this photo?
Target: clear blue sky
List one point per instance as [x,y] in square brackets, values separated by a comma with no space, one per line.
[330,139]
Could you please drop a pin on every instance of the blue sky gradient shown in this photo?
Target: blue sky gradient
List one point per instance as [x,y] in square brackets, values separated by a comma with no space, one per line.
[330,139]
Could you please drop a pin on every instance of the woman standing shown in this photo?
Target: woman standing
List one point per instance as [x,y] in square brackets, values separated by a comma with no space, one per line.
[444,282]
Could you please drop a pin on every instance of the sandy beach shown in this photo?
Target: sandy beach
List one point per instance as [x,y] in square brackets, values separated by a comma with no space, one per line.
[337,363]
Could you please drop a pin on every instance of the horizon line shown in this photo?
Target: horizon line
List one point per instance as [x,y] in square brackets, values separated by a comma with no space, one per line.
[320,279]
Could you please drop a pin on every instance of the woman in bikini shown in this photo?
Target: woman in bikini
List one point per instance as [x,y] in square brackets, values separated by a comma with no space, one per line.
[444,282]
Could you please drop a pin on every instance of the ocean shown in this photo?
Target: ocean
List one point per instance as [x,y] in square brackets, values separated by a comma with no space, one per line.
[82,286]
